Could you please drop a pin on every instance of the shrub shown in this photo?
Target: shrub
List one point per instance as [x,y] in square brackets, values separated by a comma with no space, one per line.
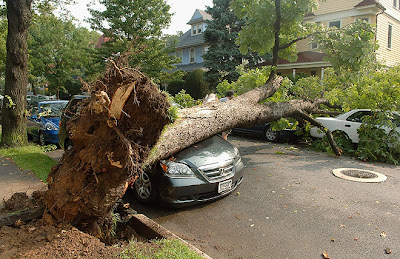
[175,86]
[195,85]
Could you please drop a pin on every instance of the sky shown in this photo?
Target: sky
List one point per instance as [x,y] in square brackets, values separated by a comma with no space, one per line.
[182,9]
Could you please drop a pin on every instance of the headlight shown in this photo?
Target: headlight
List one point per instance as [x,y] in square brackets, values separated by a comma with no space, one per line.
[50,126]
[173,169]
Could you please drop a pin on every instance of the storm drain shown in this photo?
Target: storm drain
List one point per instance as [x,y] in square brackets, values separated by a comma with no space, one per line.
[359,175]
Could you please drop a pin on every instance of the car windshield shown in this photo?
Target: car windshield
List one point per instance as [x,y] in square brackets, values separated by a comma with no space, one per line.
[52,109]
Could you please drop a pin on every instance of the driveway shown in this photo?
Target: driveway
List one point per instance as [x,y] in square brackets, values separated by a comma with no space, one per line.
[291,206]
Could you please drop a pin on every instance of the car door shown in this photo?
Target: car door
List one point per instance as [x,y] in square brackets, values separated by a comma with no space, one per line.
[353,123]
[33,123]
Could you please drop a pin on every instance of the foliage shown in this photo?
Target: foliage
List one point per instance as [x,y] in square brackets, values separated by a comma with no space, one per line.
[375,143]
[175,86]
[163,248]
[32,158]
[223,55]
[260,16]
[350,48]
[135,27]
[195,85]
[184,99]
[342,140]
[59,51]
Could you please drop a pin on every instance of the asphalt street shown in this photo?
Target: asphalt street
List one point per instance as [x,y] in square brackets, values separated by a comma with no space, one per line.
[290,205]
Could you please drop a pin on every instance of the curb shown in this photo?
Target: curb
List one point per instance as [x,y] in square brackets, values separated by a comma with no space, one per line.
[152,230]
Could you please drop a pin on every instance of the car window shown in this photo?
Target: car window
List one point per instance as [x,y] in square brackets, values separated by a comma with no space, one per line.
[73,107]
[52,109]
[358,116]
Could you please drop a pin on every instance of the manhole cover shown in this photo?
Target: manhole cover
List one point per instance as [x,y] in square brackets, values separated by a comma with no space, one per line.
[359,175]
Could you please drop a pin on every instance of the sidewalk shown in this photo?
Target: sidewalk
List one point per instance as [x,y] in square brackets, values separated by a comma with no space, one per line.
[14,179]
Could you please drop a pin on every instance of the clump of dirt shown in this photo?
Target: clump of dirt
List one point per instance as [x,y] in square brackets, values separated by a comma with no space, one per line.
[41,240]
[20,201]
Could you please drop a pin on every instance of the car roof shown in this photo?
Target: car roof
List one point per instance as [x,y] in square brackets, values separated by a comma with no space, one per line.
[54,101]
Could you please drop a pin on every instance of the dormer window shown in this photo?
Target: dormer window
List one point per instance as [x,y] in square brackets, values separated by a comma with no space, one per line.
[197,28]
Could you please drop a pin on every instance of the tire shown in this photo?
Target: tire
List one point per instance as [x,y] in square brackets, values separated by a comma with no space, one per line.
[271,135]
[42,142]
[144,188]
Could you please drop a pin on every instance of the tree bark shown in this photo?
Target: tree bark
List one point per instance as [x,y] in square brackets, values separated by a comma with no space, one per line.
[13,118]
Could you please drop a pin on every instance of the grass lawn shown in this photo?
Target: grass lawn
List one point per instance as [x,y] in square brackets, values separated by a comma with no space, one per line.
[159,249]
[32,158]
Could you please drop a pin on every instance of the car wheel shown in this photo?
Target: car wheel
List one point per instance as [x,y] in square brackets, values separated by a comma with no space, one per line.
[144,189]
[42,142]
[271,135]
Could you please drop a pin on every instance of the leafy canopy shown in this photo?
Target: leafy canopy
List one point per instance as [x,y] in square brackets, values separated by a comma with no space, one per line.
[135,27]
[260,16]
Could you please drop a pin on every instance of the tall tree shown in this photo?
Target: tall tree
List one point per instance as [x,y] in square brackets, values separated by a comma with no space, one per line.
[282,17]
[136,27]
[19,16]
[59,51]
[223,55]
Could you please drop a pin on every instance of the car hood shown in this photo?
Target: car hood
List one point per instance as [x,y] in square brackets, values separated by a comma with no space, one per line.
[210,151]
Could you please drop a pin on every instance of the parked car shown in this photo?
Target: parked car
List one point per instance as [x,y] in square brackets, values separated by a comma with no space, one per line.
[348,123]
[43,123]
[265,130]
[203,172]
[71,109]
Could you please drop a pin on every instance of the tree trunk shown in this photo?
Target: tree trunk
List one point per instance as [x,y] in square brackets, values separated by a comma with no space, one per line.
[13,118]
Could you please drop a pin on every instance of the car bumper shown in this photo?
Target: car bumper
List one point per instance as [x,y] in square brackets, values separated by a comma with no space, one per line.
[182,192]
[316,132]
[51,136]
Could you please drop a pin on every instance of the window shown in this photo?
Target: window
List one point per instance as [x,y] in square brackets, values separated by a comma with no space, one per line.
[395,3]
[314,45]
[199,28]
[336,24]
[358,116]
[194,29]
[390,29]
[313,72]
[192,55]
[179,55]
[363,19]
[205,49]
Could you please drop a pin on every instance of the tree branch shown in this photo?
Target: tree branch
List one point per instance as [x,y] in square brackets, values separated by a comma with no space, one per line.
[328,133]
[287,45]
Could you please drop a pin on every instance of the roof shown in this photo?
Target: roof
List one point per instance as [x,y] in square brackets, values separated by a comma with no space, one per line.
[187,40]
[366,3]
[305,57]
[200,16]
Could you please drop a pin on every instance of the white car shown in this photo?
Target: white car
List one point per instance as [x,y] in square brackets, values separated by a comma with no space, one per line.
[348,123]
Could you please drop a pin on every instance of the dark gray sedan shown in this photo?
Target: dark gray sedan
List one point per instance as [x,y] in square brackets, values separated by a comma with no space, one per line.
[203,172]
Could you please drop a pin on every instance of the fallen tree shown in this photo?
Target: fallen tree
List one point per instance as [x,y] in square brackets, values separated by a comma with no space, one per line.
[125,126]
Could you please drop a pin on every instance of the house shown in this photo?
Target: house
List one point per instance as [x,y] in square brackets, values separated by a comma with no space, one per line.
[384,13]
[191,45]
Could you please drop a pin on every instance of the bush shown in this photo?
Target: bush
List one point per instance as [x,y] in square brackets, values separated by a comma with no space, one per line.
[184,99]
[195,85]
[175,86]
[376,145]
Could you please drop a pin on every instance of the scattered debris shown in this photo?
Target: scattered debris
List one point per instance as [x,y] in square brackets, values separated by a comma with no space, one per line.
[325,255]
[383,234]
[388,250]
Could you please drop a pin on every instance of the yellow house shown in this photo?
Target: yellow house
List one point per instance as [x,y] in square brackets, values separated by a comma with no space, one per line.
[384,13]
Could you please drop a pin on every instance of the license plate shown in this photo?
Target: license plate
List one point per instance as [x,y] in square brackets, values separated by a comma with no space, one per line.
[225,186]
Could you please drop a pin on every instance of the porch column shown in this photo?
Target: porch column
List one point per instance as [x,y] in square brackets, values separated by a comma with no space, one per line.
[294,72]
[322,73]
